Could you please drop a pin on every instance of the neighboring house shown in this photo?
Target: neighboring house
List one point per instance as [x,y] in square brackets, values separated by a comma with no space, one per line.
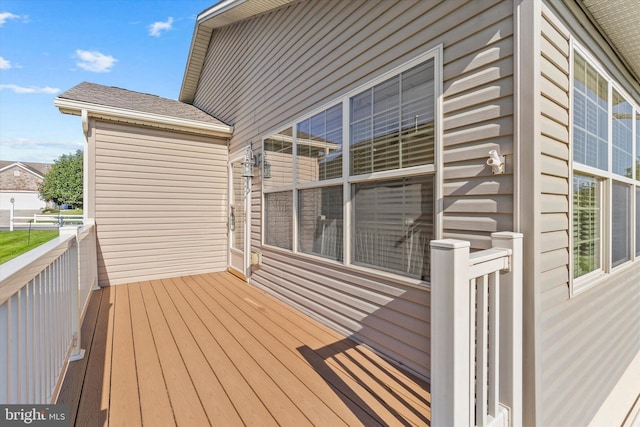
[370,126]
[20,180]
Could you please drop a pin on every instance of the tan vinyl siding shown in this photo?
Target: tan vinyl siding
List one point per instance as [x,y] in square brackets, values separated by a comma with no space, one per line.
[265,72]
[160,203]
[554,138]
[478,118]
[586,341]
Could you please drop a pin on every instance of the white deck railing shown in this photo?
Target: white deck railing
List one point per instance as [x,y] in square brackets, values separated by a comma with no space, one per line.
[476,333]
[43,295]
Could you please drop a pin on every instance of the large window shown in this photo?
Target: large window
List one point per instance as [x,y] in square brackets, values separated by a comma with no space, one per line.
[369,203]
[606,173]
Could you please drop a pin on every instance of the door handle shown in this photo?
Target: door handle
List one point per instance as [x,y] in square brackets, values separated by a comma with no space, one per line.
[232,220]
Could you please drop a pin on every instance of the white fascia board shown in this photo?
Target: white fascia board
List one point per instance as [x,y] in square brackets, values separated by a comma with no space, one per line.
[67,106]
[218,9]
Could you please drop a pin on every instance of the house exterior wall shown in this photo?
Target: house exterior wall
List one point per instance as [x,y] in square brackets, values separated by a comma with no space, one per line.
[22,186]
[267,71]
[16,178]
[159,202]
[584,342]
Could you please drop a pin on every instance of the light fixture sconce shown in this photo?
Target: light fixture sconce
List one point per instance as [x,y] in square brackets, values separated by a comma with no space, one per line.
[251,160]
[266,169]
[496,161]
[247,164]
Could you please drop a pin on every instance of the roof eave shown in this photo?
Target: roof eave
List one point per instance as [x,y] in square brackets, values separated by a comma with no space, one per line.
[72,107]
[626,49]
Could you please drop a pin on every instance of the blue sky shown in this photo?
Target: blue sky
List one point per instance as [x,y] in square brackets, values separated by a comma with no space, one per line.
[49,46]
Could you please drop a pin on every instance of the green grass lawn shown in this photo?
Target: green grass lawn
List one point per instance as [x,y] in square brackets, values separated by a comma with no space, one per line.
[14,243]
[51,211]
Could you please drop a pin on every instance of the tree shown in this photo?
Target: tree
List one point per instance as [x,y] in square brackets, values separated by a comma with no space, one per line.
[63,182]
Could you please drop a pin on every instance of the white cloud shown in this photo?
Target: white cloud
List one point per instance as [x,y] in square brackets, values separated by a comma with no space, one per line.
[5,64]
[156,28]
[30,89]
[5,16]
[95,61]
[31,150]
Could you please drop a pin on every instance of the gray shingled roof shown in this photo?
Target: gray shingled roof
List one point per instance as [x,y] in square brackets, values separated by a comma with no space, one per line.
[143,102]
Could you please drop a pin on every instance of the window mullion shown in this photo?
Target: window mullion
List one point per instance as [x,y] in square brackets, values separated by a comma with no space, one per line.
[346,162]
[294,207]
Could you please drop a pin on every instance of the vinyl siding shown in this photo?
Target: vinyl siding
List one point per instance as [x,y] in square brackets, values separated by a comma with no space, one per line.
[160,203]
[478,118]
[267,71]
[587,341]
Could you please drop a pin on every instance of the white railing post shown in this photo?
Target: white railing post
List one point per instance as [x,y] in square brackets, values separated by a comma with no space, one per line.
[511,328]
[11,215]
[76,353]
[450,334]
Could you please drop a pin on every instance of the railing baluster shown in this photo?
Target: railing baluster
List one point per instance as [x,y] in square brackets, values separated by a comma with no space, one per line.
[47,331]
[4,352]
[13,351]
[473,322]
[22,345]
[41,351]
[494,343]
[482,313]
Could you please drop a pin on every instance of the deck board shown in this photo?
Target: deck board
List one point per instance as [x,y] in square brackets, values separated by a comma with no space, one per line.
[93,407]
[184,397]
[124,402]
[155,406]
[212,350]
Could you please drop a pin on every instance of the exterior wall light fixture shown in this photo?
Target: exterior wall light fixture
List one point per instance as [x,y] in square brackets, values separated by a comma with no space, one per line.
[247,164]
[496,161]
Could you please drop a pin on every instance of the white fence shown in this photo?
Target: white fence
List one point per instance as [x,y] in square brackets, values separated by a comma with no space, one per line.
[43,295]
[476,333]
[43,220]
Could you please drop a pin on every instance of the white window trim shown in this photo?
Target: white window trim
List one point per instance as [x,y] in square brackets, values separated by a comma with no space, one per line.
[435,53]
[587,281]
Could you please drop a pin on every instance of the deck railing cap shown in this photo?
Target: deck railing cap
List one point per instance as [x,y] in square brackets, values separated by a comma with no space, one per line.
[450,244]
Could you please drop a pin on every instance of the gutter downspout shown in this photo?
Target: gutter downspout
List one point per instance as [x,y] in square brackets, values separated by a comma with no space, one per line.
[85,167]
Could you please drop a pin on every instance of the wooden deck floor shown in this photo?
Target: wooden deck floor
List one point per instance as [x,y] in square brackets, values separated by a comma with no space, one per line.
[212,350]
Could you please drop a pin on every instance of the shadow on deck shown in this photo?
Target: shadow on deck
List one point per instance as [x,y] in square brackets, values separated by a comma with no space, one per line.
[212,350]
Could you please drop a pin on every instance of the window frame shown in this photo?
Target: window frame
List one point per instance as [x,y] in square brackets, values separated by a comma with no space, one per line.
[436,55]
[607,178]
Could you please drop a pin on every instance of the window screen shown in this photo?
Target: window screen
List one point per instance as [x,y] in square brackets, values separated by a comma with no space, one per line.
[319,146]
[622,129]
[590,115]
[320,222]
[391,124]
[586,225]
[620,223]
[278,221]
[393,224]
